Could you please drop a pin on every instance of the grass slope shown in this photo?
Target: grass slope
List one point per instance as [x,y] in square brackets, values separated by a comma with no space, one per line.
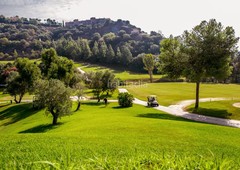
[171,93]
[119,72]
[99,137]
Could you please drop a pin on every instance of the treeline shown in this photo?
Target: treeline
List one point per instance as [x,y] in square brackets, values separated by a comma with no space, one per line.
[101,41]
[23,40]
[33,21]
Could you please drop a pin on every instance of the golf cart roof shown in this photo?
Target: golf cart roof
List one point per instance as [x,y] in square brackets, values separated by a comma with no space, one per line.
[152,96]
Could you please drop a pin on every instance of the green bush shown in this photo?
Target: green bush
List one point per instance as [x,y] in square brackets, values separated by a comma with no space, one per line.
[125,99]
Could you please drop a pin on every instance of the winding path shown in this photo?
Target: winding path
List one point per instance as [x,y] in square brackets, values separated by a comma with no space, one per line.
[177,110]
[80,70]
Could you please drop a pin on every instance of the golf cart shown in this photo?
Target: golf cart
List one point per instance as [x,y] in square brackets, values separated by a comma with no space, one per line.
[152,101]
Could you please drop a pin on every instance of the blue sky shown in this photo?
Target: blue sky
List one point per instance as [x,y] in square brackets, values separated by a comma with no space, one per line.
[168,16]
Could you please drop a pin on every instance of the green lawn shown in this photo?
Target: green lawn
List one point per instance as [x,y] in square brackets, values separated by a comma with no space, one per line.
[11,61]
[221,109]
[5,62]
[119,72]
[90,94]
[99,137]
[171,93]
[7,97]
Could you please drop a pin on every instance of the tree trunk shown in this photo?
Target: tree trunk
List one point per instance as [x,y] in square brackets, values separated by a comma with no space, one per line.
[55,117]
[20,99]
[15,99]
[197,95]
[151,75]
[78,106]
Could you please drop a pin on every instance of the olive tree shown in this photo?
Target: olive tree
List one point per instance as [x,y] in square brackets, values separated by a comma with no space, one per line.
[79,91]
[55,97]
[102,82]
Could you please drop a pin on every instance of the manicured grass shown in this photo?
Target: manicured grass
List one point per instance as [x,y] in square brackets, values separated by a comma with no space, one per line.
[11,61]
[99,137]
[119,72]
[7,97]
[5,62]
[112,96]
[221,109]
[171,93]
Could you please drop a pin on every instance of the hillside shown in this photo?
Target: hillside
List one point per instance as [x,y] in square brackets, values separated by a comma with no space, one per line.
[102,26]
[102,40]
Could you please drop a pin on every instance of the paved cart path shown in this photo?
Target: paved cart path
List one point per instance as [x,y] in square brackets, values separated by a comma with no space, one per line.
[178,110]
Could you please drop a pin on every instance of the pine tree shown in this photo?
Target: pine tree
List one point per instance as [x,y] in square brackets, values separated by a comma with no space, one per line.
[95,51]
[102,50]
[110,54]
[118,56]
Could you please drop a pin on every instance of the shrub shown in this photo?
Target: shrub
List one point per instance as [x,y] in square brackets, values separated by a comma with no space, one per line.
[125,99]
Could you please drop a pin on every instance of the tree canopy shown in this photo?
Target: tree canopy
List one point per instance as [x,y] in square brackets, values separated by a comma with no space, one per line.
[203,52]
[55,97]
[55,67]
[21,79]
[149,62]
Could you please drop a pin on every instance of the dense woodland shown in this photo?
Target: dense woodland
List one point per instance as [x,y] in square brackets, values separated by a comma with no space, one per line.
[101,41]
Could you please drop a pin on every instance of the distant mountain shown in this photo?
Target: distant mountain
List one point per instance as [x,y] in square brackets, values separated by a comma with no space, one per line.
[103,26]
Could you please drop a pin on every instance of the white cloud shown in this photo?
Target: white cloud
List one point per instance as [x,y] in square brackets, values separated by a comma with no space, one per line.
[19,2]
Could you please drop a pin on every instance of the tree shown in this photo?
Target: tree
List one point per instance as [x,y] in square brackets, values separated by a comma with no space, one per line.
[103,82]
[55,97]
[79,91]
[96,84]
[55,67]
[96,37]
[118,56]
[95,51]
[149,63]
[126,55]
[86,51]
[21,81]
[110,54]
[49,56]
[109,37]
[137,64]
[102,50]
[15,54]
[108,82]
[208,48]
[172,59]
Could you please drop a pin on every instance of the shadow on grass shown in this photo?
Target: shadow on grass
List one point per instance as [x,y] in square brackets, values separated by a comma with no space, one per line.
[4,104]
[41,128]
[16,113]
[93,103]
[120,107]
[163,116]
[211,112]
